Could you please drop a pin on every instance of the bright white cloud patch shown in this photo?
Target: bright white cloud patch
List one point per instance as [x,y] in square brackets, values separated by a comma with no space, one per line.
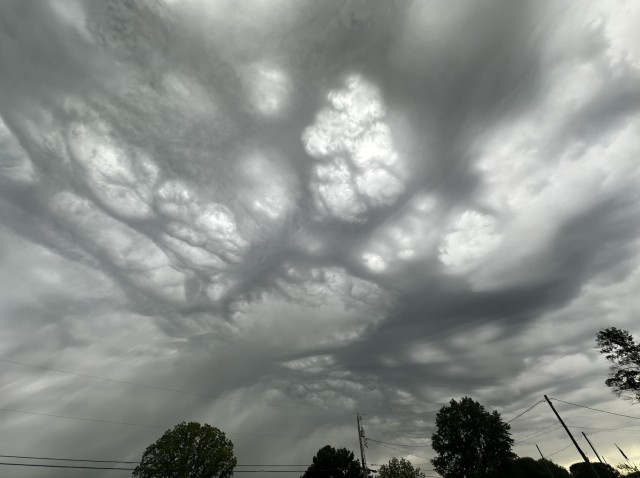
[359,168]
[472,237]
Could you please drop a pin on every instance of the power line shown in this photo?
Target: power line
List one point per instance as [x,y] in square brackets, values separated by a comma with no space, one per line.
[99,420]
[596,409]
[395,444]
[606,429]
[26,457]
[67,459]
[526,411]
[88,467]
[557,427]
[526,435]
[400,451]
[131,469]
[67,466]
[558,451]
[154,387]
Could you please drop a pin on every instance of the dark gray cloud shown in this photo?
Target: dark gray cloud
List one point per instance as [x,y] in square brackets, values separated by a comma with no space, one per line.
[295,211]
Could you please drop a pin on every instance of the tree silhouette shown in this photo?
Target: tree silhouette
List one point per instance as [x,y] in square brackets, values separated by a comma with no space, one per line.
[399,469]
[189,450]
[470,442]
[619,347]
[332,463]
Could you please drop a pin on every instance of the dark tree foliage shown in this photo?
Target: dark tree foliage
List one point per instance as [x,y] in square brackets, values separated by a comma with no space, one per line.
[527,467]
[628,471]
[557,470]
[332,463]
[399,469]
[583,470]
[470,442]
[188,450]
[620,348]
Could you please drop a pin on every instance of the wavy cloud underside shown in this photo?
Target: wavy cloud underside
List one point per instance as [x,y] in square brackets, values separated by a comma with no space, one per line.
[299,210]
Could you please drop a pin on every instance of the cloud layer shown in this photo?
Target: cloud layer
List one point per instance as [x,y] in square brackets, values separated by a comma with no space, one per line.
[294,211]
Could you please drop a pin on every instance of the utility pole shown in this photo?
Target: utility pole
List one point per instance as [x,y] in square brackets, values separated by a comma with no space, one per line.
[362,441]
[545,462]
[584,457]
[591,445]
[626,458]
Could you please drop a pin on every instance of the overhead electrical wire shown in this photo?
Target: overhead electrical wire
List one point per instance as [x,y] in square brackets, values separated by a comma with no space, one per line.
[131,469]
[171,390]
[558,451]
[558,427]
[595,409]
[48,458]
[395,444]
[399,451]
[67,466]
[99,420]
[164,427]
[89,467]
[526,411]
[601,429]
[185,392]
[525,435]
[158,388]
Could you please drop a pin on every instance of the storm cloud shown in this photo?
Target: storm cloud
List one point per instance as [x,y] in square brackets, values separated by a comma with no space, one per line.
[288,212]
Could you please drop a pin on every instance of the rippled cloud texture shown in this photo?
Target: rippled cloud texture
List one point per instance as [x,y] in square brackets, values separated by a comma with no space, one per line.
[297,210]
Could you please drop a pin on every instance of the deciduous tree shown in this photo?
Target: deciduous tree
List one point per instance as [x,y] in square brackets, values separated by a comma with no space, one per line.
[332,463]
[399,469]
[620,348]
[526,467]
[583,470]
[188,450]
[470,442]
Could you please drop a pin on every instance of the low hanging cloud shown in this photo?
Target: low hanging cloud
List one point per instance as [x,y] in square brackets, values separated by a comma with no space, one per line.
[289,212]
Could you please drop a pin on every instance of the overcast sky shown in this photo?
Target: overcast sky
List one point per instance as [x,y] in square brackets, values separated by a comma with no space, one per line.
[294,211]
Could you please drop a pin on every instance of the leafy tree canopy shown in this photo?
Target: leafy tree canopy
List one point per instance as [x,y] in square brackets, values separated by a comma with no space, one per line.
[628,471]
[526,467]
[619,347]
[332,463]
[470,442]
[189,450]
[399,469]
[583,470]
[557,470]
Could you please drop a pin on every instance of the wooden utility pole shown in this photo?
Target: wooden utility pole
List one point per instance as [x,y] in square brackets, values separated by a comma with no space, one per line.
[627,458]
[361,440]
[545,462]
[591,445]
[584,457]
